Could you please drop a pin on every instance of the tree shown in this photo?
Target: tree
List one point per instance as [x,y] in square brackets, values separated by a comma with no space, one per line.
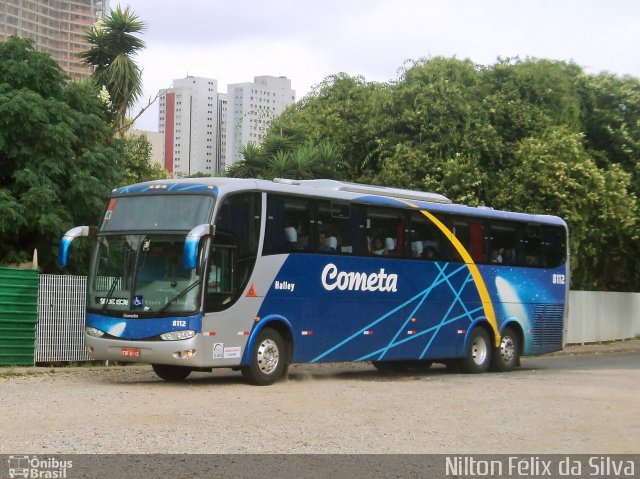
[532,135]
[135,160]
[58,158]
[113,46]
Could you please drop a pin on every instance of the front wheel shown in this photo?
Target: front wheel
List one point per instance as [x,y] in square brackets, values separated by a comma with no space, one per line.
[268,359]
[507,355]
[171,373]
[478,358]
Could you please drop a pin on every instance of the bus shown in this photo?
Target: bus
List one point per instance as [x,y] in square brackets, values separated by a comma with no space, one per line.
[255,275]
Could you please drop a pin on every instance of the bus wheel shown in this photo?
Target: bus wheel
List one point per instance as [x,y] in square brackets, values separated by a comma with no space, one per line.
[507,355]
[478,357]
[171,373]
[268,359]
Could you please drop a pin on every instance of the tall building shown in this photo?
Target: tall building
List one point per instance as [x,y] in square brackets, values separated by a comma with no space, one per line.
[251,107]
[204,130]
[188,118]
[56,26]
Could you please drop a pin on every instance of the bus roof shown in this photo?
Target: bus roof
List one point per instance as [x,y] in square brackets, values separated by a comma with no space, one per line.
[330,189]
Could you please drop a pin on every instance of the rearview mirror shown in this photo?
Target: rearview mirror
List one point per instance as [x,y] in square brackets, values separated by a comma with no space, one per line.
[190,257]
[69,236]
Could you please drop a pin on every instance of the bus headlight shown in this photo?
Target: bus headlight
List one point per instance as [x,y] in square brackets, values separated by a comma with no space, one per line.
[178,335]
[95,332]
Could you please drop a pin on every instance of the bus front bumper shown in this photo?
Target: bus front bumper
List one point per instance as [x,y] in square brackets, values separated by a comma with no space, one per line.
[187,352]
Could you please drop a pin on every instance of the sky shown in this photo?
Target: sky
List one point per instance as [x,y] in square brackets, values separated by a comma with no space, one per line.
[233,41]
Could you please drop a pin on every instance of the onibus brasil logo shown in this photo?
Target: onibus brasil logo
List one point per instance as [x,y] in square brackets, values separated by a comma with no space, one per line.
[36,468]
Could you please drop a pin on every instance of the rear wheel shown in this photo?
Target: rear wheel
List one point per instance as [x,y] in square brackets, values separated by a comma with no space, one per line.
[268,359]
[478,358]
[171,373]
[507,355]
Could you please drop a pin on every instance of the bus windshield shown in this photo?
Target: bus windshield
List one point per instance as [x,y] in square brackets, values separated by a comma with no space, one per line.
[136,273]
[157,212]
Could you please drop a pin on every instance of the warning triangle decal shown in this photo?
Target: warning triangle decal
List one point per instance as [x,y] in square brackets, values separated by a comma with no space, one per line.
[252,292]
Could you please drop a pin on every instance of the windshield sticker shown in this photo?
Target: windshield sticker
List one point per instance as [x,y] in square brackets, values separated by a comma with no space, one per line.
[138,301]
[113,301]
[110,209]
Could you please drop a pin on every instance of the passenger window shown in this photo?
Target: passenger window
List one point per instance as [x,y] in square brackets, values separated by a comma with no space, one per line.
[334,228]
[385,229]
[470,232]
[502,242]
[288,225]
[555,244]
[532,245]
[426,240]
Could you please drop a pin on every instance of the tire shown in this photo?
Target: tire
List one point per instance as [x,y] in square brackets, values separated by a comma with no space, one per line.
[478,358]
[268,359]
[410,366]
[171,373]
[507,355]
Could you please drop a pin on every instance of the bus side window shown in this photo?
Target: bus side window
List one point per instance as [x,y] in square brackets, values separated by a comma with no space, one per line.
[425,240]
[385,231]
[335,226]
[532,243]
[502,239]
[470,232]
[555,245]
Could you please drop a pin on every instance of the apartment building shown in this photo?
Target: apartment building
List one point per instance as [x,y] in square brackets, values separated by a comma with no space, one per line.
[251,107]
[204,130]
[57,27]
[188,119]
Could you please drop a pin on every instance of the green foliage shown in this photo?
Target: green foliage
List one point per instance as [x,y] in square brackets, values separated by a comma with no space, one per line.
[281,156]
[113,46]
[135,160]
[531,135]
[58,159]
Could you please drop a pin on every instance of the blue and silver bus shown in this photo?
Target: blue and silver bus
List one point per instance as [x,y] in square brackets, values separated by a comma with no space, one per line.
[195,274]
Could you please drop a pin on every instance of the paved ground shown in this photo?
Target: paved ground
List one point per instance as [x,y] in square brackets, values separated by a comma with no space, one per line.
[584,400]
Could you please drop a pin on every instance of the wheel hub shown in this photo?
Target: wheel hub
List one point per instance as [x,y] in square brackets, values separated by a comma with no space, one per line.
[479,351]
[507,349]
[268,356]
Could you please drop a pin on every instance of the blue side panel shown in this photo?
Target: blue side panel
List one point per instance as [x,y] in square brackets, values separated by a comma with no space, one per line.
[361,309]
[534,298]
[142,328]
[401,310]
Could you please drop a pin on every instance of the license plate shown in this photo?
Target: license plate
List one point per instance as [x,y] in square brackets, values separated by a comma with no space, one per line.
[130,352]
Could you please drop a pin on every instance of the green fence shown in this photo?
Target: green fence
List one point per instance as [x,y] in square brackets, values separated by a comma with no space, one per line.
[18,315]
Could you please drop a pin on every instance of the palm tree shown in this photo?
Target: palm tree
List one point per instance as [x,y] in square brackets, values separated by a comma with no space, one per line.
[113,46]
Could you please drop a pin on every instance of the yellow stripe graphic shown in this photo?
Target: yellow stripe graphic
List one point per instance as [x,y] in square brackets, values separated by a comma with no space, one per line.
[478,280]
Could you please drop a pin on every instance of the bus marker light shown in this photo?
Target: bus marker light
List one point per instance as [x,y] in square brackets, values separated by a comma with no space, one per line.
[413,320]
[411,332]
[307,333]
[209,333]
[257,318]
[243,333]
[462,331]
[368,333]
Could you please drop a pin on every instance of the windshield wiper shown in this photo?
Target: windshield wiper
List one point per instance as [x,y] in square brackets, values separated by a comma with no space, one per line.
[178,296]
[112,289]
